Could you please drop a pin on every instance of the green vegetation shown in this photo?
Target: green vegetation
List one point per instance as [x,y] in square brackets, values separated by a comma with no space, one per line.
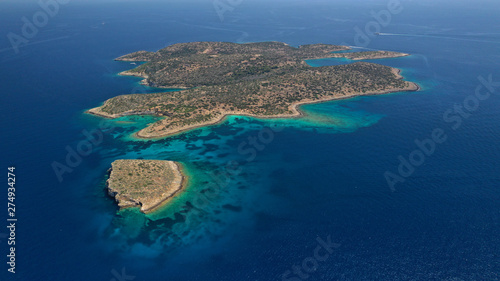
[370,55]
[264,79]
[143,183]
[198,64]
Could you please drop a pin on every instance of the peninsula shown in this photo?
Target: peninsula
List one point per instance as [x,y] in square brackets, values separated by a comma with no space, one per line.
[265,80]
[372,55]
[146,184]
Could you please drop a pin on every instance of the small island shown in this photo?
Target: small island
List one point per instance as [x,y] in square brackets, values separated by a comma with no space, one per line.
[264,80]
[146,184]
[372,55]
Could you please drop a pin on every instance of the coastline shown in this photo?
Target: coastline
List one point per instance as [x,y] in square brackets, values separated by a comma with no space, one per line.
[147,204]
[180,169]
[383,57]
[144,77]
[295,108]
[374,57]
[94,111]
[165,127]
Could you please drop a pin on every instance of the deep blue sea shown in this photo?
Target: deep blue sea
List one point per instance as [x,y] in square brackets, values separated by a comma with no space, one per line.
[309,182]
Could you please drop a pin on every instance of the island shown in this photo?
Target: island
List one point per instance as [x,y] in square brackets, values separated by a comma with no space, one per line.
[371,55]
[264,80]
[146,184]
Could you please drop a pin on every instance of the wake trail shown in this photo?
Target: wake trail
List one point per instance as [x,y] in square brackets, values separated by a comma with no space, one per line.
[34,43]
[438,37]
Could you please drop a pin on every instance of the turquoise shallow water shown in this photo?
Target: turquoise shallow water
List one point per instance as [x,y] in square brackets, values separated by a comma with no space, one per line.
[316,177]
[207,153]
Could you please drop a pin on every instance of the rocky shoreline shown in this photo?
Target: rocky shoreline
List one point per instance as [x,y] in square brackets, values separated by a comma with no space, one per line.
[145,184]
[295,108]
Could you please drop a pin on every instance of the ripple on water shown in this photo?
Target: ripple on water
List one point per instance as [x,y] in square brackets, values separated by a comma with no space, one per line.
[204,211]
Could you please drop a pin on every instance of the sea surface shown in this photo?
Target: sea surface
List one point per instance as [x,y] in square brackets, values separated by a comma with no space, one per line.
[257,212]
